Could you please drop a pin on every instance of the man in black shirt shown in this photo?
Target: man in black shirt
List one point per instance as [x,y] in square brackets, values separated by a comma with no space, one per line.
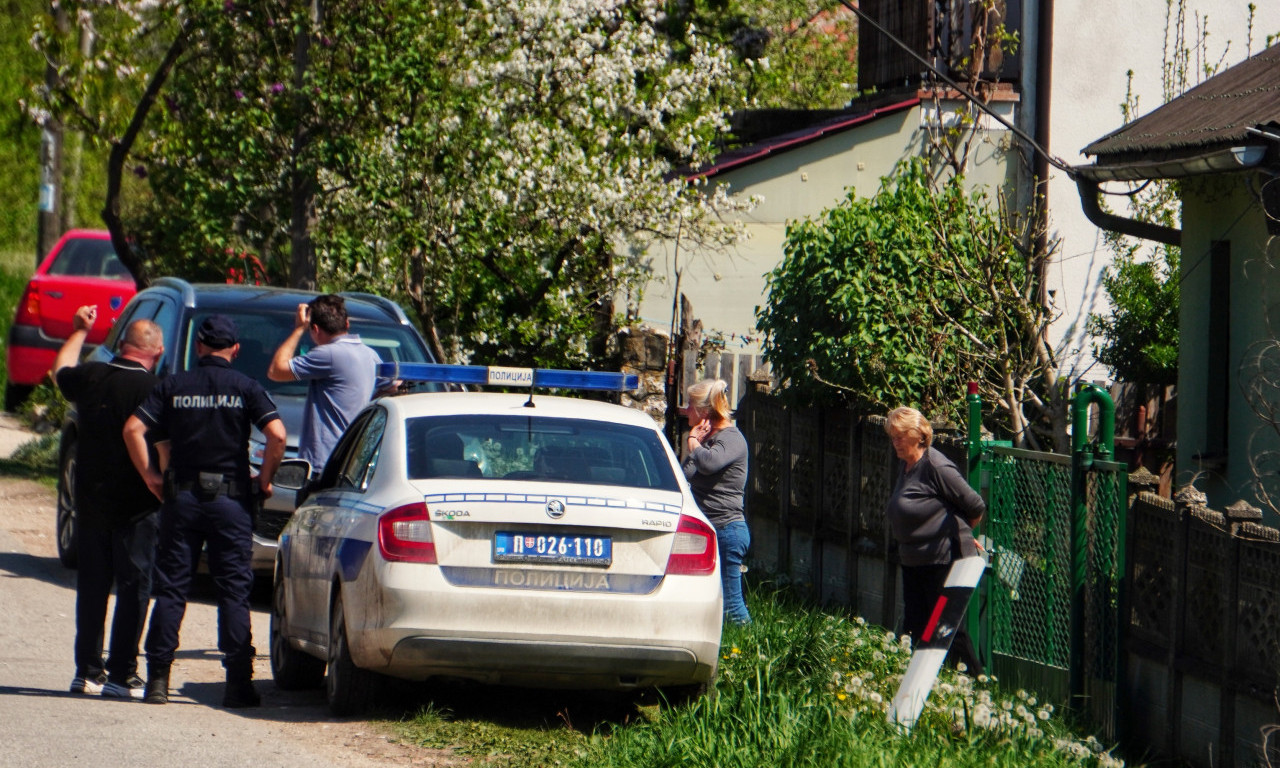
[205,415]
[115,511]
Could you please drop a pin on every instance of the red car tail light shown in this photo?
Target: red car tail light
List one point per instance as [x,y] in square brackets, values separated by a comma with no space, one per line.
[694,551]
[29,306]
[404,534]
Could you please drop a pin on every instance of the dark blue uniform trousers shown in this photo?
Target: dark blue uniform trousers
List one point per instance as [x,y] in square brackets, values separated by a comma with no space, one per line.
[122,557]
[186,525]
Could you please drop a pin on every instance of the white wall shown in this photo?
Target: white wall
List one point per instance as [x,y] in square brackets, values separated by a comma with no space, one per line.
[1095,45]
[725,288]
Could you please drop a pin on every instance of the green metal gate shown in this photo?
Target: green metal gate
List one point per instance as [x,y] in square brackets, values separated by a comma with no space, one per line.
[1050,610]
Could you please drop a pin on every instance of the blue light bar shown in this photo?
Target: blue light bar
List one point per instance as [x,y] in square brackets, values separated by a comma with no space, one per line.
[495,376]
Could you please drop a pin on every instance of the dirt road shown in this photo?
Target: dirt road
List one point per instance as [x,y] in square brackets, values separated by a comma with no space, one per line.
[42,725]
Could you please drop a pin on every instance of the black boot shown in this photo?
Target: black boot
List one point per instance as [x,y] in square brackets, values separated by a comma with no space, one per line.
[157,690]
[240,691]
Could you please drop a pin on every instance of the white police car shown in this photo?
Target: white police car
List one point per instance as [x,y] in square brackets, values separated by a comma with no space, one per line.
[517,539]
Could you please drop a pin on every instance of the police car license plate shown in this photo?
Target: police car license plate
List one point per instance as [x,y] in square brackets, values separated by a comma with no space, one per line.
[555,549]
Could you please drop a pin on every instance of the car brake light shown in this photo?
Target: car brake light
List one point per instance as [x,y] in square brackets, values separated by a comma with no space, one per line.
[694,551]
[404,534]
[29,306]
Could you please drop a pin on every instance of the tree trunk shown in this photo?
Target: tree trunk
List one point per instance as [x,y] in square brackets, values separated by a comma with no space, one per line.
[302,178]
[120,152]
[602,308]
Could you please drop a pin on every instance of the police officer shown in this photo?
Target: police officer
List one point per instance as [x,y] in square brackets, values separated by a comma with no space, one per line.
[205,415]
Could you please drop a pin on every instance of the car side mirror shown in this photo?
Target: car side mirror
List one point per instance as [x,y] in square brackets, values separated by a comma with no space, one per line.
[291,485]
[292,475]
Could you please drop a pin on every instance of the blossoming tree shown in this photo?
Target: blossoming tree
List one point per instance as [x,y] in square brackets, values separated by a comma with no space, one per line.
[498,166]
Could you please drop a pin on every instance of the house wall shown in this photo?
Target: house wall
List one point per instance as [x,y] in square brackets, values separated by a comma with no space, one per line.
[1094,46]
[726,287]
[1092,50]
[1224,208]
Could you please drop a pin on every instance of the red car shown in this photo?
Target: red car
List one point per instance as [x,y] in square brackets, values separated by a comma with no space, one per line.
[81,269]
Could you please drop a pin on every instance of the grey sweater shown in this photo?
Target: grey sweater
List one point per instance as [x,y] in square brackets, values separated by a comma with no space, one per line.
[717,473]
[931,510]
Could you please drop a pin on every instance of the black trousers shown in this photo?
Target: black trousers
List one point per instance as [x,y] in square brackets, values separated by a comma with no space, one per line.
[119,557]
[921,587]
[186,526]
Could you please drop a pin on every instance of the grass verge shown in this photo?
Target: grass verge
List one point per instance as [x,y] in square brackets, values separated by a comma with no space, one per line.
[36,459]
[798,688]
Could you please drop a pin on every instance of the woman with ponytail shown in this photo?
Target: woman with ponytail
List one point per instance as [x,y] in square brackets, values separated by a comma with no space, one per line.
[716,467]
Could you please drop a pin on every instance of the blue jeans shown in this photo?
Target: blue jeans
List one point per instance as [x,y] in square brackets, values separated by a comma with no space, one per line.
[733,541]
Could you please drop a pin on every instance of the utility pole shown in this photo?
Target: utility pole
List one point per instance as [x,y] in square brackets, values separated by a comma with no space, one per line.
[48,227]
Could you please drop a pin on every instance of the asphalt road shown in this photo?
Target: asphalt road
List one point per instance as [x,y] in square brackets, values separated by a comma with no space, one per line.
[43,725]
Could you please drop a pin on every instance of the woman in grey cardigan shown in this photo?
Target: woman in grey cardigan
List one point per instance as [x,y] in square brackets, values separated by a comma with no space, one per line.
[716,468]
[932,512]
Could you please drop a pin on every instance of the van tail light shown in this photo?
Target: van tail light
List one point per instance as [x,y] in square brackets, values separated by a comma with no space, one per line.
[694,551]
[29,306]
[404,534]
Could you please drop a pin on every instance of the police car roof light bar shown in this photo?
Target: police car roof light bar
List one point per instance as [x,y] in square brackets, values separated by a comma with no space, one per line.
[492,375]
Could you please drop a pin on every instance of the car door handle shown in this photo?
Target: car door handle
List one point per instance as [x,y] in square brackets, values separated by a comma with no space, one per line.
[54,294]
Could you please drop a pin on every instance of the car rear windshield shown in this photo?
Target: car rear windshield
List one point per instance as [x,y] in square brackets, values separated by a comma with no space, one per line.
[261,333]
[524,448]
[89,257]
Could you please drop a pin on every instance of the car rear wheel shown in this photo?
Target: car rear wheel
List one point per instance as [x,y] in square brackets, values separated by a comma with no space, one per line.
[292,669]
[349,689]
[15,395]
[66,519]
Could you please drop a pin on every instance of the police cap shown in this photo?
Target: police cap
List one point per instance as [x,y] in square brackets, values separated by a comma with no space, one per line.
[218,332]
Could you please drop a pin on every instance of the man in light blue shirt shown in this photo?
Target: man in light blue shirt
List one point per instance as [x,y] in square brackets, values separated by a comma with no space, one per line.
[341,372]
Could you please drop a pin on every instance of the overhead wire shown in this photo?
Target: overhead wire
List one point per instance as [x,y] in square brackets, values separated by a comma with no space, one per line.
[1022,135]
